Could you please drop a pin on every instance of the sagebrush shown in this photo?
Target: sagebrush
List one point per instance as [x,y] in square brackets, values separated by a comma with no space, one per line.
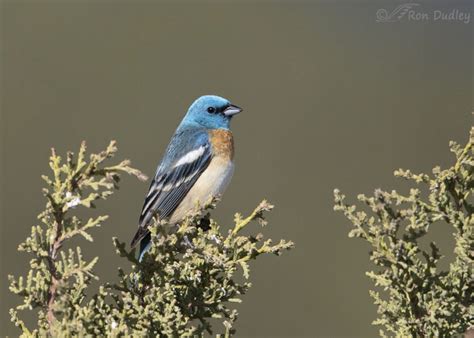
[418,298]
[190,275]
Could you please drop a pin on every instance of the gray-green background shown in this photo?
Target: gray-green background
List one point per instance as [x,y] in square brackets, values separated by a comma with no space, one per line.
[332,99]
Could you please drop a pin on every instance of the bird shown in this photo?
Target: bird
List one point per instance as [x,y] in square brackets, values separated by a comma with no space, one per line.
[197,165]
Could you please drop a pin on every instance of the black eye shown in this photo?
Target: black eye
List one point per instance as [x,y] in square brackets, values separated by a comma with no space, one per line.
[211,110]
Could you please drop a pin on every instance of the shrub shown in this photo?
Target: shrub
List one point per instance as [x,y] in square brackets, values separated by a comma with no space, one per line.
[419,299]
[188,277]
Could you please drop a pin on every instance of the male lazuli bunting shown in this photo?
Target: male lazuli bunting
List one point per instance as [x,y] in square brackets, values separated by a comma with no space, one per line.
[197,165]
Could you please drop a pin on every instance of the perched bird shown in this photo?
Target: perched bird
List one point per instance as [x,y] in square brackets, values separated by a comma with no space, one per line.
[197,165]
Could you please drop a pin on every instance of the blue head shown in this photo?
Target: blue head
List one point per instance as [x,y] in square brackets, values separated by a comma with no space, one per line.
[211,112]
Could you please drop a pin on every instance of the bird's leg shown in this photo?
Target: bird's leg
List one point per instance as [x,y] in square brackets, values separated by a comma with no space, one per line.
[187,242]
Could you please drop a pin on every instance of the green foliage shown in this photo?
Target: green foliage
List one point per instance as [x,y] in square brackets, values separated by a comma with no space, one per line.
[57,279]
[420,299]
[190,275]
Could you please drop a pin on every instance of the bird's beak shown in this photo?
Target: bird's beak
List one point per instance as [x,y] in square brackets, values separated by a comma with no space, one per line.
[232,110]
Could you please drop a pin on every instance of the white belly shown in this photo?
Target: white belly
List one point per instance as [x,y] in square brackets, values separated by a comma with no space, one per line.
[212,183]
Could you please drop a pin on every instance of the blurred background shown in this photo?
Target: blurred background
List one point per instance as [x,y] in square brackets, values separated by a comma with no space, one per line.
[332,98]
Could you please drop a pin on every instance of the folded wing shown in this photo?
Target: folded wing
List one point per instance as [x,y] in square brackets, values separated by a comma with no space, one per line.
[179,170]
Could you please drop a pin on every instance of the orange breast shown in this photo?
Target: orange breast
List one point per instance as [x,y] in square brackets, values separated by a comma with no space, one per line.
[222,143]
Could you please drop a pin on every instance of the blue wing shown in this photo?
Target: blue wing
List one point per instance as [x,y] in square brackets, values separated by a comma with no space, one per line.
[187,156]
